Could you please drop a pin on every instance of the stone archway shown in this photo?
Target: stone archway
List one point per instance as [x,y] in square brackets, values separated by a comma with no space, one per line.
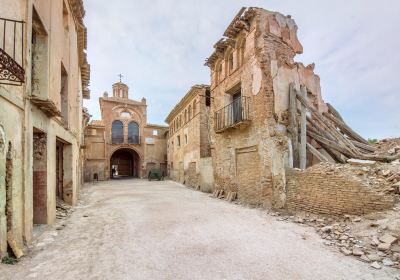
[124,163]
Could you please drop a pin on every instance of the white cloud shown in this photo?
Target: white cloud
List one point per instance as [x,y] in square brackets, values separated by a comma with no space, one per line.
[160,46]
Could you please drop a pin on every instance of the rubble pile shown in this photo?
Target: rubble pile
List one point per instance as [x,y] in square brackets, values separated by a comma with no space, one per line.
[63,210]
[373,238]
[383,177]
[388,146]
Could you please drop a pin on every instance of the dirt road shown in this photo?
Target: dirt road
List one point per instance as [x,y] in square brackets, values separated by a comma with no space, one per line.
[134,229]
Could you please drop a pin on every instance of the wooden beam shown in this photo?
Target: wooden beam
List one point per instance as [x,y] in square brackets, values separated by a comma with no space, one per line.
[367,148]
[303,131]
[329,143]
[334,112]
[317,154]
[333,153]
[326,125]
[345,128]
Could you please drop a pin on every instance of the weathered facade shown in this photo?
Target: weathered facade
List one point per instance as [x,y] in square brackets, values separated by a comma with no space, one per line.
[44,76]
[189,153]
[122,143]
[251,69]
[268,117]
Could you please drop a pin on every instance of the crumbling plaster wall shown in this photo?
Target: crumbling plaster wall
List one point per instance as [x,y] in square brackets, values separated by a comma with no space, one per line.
[251,161]
[11,133]
[271,44]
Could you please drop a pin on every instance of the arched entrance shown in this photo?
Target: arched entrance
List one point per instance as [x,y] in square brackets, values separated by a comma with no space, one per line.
[124,163]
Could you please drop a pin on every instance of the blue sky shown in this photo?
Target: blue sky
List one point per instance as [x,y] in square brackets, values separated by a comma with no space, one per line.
[160,47]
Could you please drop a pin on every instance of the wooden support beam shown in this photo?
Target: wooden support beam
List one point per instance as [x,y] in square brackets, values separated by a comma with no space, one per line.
[345,128]
[326,125]
[367,148]
[293,125]
[333,153]
[317,154]
[303,131]
[334,112]
[329,143]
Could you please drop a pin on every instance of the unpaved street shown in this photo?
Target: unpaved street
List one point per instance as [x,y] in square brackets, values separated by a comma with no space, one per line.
[134,229]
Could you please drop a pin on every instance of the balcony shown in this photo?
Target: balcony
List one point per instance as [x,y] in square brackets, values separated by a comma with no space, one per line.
[11,52]
[233,115]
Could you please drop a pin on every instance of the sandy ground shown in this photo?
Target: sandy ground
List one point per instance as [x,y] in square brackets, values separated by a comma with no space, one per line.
[134,229]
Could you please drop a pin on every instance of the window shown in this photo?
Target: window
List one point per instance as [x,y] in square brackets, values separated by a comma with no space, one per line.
[186,116]
[219,71]
[64,95]
[155,132]
[241,52]
[208,98]
[178,141]
[190,112]
[133,133]
[230,62]
[194,107]
[186,139]
[39,56]
[117,132]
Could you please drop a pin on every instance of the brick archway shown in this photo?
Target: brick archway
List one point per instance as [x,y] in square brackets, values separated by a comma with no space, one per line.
[124,162]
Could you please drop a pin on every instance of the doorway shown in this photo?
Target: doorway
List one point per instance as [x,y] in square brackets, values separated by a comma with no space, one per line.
[39,177]
[124,163]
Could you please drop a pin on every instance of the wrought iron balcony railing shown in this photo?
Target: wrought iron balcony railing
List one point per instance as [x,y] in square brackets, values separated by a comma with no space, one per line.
[12,52]
[233,114]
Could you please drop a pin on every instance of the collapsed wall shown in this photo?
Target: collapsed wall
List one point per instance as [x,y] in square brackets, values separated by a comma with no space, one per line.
[329,189]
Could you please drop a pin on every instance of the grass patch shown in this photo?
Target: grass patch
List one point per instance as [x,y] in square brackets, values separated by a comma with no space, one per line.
[9,260]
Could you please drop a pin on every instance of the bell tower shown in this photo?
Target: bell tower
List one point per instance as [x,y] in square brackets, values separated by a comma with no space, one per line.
[120,90]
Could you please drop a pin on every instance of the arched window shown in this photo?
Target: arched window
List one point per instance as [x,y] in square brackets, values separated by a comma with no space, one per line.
[190,112]
[218,72]
[231,62]
[228,61]
[117,132]
[186,116]
[133,133]
[240,51]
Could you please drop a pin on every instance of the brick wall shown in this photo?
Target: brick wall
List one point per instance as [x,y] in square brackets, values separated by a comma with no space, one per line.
[317,192]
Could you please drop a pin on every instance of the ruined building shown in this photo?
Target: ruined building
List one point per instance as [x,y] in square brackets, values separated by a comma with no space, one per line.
[44,75]
[189,153]
[122,143]
[269,121]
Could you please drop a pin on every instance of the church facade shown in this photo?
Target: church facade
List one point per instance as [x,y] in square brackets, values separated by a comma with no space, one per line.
[122,143]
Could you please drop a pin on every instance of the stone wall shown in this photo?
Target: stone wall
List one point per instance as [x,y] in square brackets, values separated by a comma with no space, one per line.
[189,140]
[317,192]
